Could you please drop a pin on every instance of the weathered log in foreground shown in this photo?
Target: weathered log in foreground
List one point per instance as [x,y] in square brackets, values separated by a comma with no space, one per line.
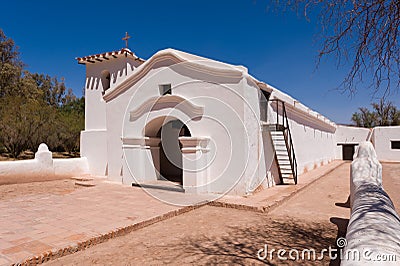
[373,234]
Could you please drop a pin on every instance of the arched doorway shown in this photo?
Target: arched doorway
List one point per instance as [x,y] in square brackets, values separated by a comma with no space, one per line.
[170,166]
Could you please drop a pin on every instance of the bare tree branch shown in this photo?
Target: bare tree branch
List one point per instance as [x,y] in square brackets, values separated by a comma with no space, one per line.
[363,33]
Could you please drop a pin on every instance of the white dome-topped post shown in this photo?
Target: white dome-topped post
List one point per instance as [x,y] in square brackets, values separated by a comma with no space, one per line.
[44,156]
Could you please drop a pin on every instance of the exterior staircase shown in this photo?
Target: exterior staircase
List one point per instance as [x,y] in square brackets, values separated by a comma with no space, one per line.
[282,142]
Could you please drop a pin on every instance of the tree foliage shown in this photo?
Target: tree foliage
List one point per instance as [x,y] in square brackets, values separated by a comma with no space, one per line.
[35,108]
[382,114]
[10,64]
[364,33]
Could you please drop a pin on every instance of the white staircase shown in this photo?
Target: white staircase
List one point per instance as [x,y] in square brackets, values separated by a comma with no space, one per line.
[282,156]
[282,142]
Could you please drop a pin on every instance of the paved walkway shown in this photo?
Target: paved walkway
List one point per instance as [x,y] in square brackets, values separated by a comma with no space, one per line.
[53,225]
[270,198]
[50,226]
[228,236]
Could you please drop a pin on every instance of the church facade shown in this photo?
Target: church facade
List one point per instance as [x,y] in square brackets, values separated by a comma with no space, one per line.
[201,125]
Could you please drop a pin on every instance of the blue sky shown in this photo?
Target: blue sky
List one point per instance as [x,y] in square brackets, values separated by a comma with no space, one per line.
[277,48]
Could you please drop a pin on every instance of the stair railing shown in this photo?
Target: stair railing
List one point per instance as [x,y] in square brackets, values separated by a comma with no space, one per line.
[284,126]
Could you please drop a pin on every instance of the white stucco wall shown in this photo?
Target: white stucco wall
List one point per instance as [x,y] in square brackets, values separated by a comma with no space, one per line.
[93,146]
[382,137]
[95,107]
[42,168]
[221,122]
[94,137]
[349,135]
[239,153]
[313,135]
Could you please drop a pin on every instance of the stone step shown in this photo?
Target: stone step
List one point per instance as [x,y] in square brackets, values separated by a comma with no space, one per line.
[286,171]
[283,157]
[160,184]
[85,184]
[82,178]
[282,153]
[289,180]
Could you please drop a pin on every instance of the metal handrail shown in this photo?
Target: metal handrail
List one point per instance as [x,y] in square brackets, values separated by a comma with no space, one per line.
[287,135]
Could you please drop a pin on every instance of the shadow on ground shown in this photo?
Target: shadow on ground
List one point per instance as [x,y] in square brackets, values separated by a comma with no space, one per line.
[341,224]
[241,244]
[344,204]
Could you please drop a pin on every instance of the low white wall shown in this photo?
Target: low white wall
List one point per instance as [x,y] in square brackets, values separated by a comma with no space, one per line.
[382,138]
[71,167]
[94,148]
[374,226]
[42,168]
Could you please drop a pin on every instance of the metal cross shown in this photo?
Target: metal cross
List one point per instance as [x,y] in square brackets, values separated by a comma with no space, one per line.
[126,39]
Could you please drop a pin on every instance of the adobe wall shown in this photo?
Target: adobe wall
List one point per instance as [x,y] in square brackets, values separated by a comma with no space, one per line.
[349,135]
[382,139]
[42,168]
[313,134]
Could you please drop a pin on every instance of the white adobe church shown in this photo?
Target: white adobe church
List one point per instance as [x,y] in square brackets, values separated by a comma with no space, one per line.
[205,126]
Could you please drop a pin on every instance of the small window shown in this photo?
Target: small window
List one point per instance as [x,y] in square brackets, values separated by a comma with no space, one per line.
[395,144]
[165,89]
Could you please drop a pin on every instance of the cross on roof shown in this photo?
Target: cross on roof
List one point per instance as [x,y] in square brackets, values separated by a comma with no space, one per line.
[126,39]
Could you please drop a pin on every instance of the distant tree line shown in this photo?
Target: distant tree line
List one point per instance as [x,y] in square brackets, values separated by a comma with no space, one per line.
[35,108]
[382,114]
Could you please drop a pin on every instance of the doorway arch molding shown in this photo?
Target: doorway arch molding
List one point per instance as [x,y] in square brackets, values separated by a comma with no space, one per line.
[167,101]
[141,155]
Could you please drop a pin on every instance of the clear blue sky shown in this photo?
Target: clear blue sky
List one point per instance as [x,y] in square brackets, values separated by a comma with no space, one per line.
[277,48]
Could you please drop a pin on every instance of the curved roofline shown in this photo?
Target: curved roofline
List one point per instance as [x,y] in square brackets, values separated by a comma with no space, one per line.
[192,62]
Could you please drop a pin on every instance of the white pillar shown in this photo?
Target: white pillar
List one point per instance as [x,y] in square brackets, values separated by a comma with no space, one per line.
[153,144]
[141,159]
[194,164]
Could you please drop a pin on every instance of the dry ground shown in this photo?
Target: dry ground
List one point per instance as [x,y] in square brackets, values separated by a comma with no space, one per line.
[49,187]
[212,235]
[313,218]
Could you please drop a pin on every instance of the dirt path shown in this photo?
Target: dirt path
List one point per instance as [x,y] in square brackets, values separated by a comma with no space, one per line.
[314,218]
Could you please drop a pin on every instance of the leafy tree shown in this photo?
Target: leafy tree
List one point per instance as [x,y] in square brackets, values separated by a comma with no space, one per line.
[382,114]
[10,64]
[17,123]
[72,122]
[364,32]
[35,108]
[364,118]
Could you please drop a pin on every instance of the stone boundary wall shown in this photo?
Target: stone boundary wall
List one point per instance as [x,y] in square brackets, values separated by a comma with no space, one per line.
[373,233]
[42,168]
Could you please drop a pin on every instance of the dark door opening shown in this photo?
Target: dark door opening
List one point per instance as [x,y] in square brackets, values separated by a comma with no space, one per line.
[171,167]
[348,151]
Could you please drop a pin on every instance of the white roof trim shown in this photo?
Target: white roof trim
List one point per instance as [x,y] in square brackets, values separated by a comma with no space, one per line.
[192,62]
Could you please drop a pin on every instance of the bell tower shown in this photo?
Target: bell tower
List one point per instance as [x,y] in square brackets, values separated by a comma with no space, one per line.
[104,71]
